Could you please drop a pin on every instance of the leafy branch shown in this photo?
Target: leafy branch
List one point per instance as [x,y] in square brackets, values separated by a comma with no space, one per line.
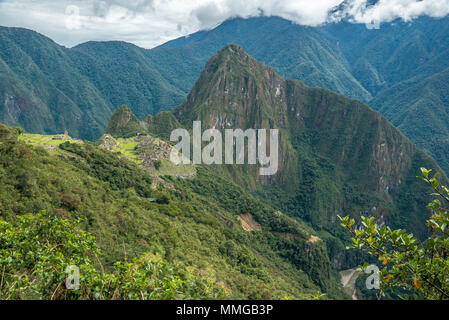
[407,263]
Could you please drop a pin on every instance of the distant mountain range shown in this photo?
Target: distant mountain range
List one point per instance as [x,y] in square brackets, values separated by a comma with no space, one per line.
[400,70]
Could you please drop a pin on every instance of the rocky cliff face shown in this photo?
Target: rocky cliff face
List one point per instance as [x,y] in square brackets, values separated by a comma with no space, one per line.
[235,91]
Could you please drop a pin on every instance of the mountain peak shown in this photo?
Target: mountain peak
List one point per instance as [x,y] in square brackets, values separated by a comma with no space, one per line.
[232,54]
[124,123]
[124,114]
[231,49]
[234,90]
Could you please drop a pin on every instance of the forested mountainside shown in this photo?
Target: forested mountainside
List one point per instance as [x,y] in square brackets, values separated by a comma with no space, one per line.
[399,69]
[405,67]
[131,210]
[47,88]
[337,156]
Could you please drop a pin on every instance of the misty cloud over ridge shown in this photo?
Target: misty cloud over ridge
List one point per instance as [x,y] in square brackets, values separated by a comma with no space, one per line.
[148,23]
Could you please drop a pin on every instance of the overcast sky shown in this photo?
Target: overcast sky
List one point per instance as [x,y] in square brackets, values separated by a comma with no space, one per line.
[148,23]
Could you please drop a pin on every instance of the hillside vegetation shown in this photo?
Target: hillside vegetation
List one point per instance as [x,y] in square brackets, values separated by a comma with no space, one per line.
[185,226]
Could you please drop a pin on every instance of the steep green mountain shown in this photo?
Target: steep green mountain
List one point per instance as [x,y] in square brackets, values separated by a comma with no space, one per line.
[419,108]
[392,65]
[47,88]
[400,70]
[294,51]
[405,68]
[162,124]
[395,52]
[125,124]
[41,88]
[126,74]
[337,156]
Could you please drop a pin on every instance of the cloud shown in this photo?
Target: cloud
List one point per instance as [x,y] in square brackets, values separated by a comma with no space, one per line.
[362,11]
[148,23]
[304,12]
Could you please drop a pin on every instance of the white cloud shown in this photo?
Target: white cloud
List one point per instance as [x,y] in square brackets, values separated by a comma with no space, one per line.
[388,10]
[151,22]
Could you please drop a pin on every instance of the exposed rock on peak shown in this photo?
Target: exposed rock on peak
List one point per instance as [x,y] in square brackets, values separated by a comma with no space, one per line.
[124,123]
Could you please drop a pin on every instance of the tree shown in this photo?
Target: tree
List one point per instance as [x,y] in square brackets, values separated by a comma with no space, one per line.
[35,254]
[407,263]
